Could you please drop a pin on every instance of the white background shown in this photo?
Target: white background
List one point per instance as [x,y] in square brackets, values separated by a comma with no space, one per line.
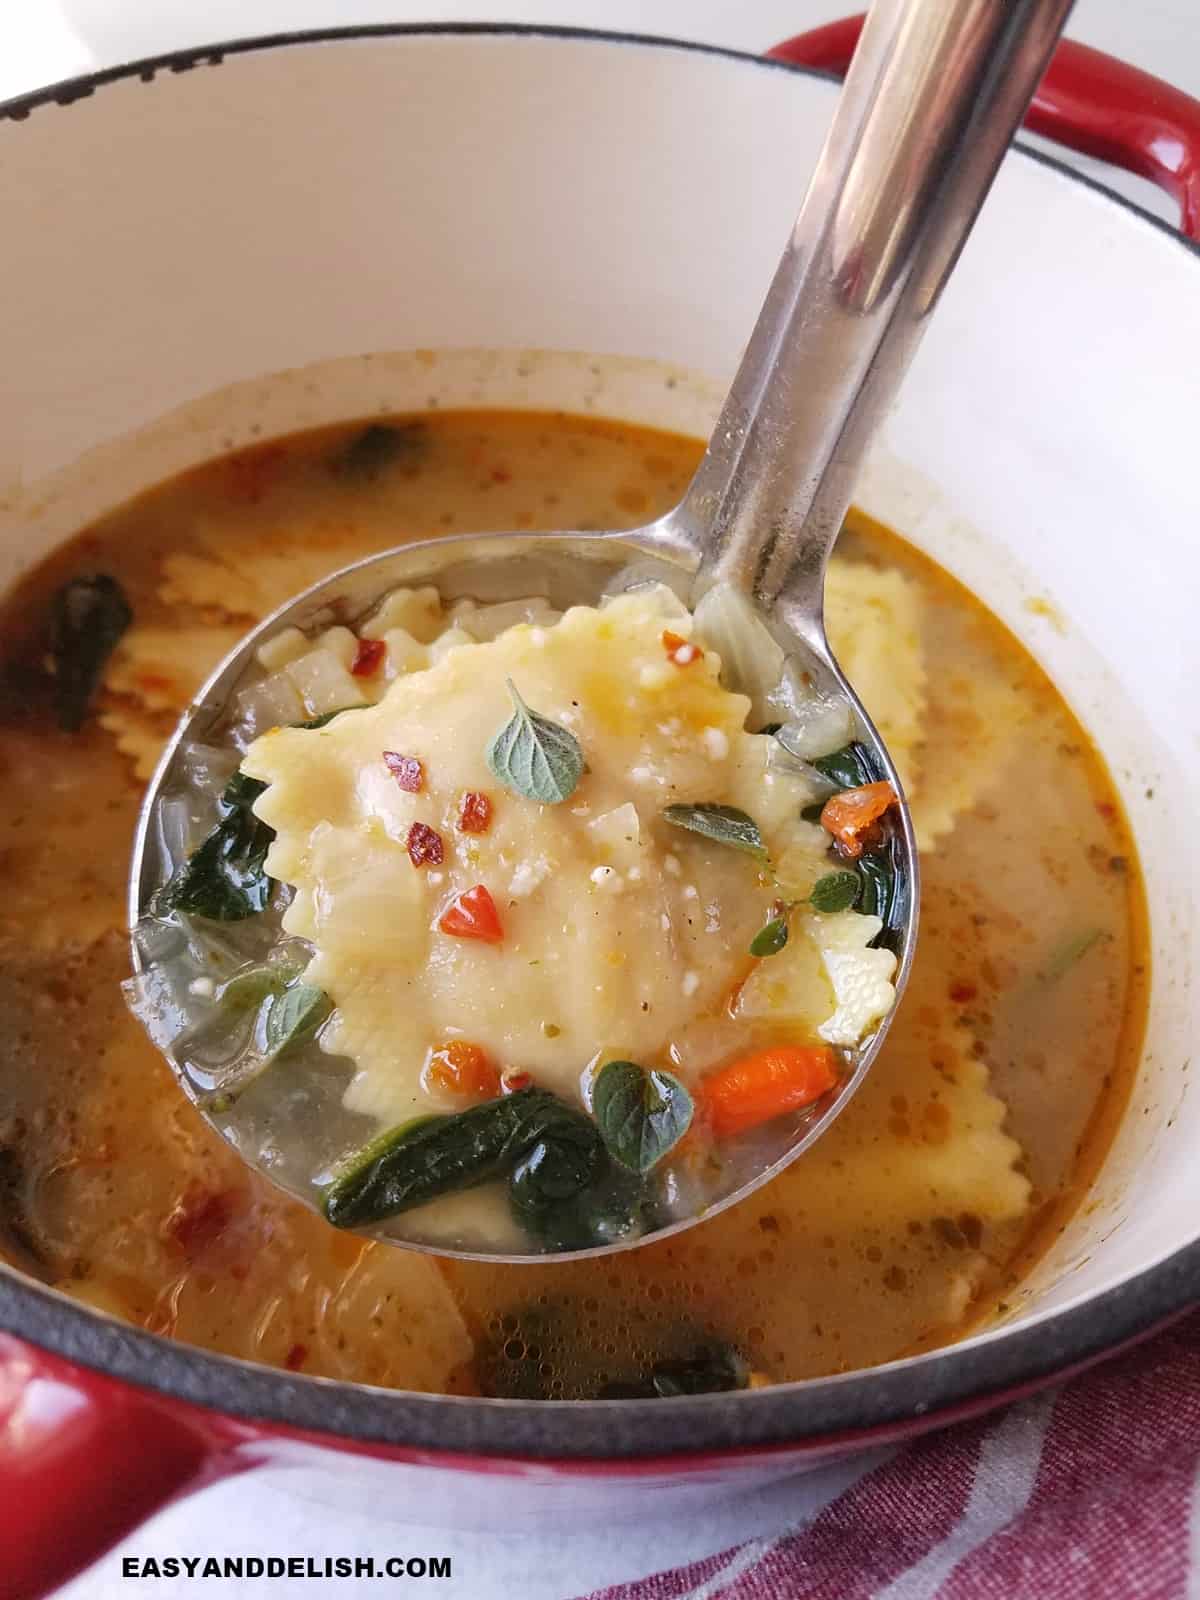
[45,40]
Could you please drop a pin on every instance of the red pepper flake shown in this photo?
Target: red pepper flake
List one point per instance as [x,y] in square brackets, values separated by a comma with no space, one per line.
[424,846]
[367,657]
[296,1357]
[514,1082]
[407,771]
[1107,810]
[472,915]
[501,475]
[474,812]
[963,993]
[198,1217]
[680,650]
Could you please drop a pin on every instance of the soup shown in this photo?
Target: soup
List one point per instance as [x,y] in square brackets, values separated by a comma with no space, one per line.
[974,1138]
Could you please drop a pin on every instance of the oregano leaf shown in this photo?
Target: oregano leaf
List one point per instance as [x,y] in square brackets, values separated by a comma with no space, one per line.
[836,891]
[294,1016]
[536,758]
[642,1114]
[770,938]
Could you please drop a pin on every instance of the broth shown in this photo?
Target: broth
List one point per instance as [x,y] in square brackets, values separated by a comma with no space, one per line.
[901,1229]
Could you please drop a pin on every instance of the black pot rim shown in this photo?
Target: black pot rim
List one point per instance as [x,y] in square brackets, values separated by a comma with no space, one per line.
[918,1390]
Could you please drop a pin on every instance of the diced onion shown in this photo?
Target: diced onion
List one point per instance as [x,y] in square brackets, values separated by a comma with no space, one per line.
[818,727]
[752,660]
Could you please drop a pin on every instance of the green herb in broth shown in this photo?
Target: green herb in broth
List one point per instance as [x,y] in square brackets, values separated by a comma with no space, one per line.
[642,1115]
[377,447]
[408,1165]
[294,1016]
[87,619]
[771,938]
[225,879]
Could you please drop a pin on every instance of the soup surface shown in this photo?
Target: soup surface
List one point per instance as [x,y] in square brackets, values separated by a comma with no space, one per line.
[972,1141]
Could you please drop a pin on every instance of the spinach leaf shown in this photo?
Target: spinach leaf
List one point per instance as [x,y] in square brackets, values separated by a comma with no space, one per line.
[294,1016]
[379,445]
[723,824]
[408,1165]
[641,1114]
[877,880]
[712,1368]
[535,757]
[225,878]
[87,618]
[609,1207]
[836,891]
[850,767]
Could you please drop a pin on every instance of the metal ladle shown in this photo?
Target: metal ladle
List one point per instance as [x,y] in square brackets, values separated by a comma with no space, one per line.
[933,96]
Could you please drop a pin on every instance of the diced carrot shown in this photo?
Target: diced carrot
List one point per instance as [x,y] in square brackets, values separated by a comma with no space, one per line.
[460,1067]
[766,1084]
[473,915]
[850,815]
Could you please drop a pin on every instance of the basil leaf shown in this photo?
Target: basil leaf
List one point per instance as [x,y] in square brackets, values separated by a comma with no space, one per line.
[416,1162]
[723,824]
[836,891]
[850,767]
[294,1016]
[535,757]
[770,938]
[87,618]
[225,879]
[641,1114]
[379,445]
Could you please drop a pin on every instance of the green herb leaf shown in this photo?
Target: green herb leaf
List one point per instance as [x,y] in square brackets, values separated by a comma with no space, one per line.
[378,446]
[1069,952]
[723,824]
[225,879]
[416,1162]
[87,618]
[294,1016]
[877,877]
[836,891]
[535,757]
[712,1368]
[248,989]
[850,767]
[770,938]
[641,1114]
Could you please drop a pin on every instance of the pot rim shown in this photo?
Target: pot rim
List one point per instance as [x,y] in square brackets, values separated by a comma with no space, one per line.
[985,1368]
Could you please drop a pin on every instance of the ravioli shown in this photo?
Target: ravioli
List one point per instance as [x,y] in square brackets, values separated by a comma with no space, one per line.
[618,929]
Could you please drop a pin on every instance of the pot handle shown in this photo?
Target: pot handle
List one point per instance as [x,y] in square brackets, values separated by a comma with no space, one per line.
[84,1460]
[1087,101]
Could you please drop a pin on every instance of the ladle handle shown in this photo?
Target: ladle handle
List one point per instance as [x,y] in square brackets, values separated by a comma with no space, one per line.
[934,93]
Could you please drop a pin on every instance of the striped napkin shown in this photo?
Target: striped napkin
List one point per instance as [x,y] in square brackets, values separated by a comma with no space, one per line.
[1087,1492]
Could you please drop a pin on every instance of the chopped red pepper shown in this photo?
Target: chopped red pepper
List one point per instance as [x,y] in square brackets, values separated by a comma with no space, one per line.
[424,846]
[514,1082]
[460,1067]
[963,993]
[473,915]
[367,657]
[296,1357]
[199,1216]
[681,651]
[407,771]
[474,812]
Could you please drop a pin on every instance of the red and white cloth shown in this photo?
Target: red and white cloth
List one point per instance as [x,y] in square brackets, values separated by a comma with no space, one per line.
[1086,1492]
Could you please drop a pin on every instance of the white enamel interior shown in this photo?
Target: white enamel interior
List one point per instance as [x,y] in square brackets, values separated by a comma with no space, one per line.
[173,244]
